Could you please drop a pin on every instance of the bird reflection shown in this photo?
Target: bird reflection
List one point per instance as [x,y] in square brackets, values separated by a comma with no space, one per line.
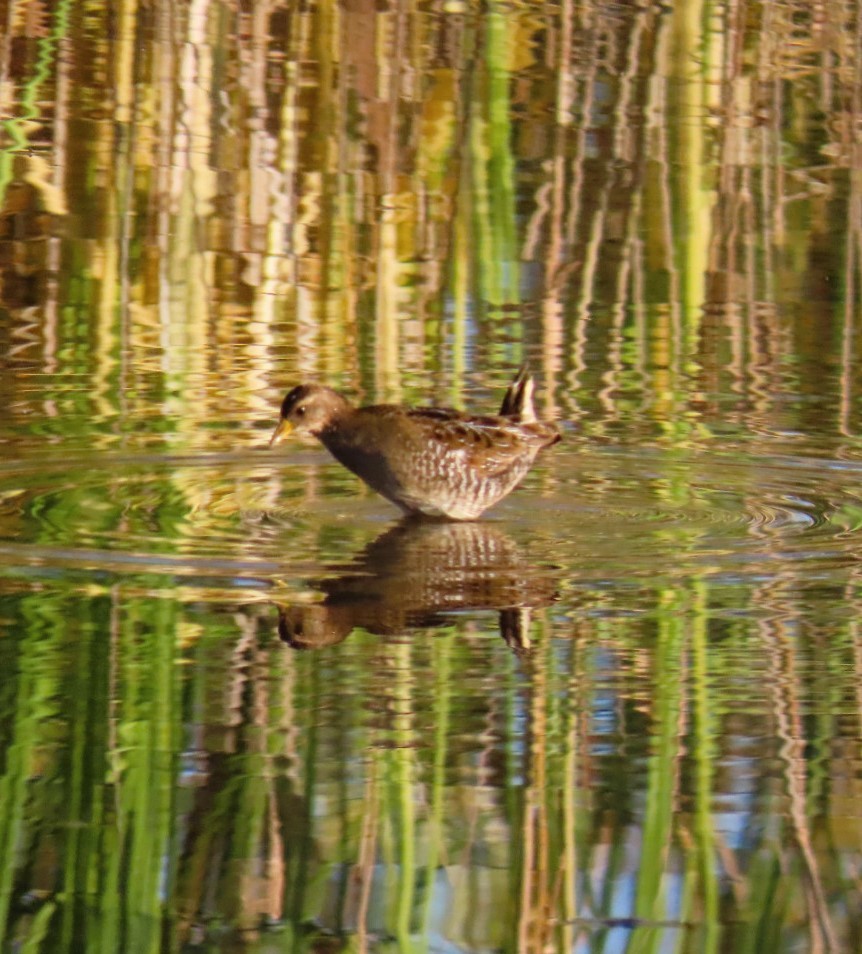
[413,576]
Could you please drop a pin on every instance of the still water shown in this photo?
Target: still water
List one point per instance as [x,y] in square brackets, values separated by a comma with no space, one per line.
[243,706]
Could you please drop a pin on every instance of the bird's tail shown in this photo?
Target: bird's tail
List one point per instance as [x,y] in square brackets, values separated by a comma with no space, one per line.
[518,400]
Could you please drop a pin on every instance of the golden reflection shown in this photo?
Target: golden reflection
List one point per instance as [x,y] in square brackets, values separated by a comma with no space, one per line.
[415,575]
[368,196]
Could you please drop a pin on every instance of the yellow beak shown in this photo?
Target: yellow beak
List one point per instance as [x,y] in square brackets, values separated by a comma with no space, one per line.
[284,428]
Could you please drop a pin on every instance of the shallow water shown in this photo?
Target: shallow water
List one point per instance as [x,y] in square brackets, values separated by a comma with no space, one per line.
[244,706]
[631,692]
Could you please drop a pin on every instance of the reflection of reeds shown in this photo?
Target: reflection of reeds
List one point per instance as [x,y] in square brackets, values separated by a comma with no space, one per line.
[235,836]
[359,170]
[670,717]
[785,685]
[437,816]
[364,195]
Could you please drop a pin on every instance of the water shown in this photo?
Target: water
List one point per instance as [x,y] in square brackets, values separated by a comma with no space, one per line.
[609,695]
[245,707]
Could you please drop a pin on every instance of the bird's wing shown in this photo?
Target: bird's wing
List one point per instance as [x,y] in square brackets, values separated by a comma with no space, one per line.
[487,444]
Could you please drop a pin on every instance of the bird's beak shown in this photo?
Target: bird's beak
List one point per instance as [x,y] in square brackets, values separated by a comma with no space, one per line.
[278,435]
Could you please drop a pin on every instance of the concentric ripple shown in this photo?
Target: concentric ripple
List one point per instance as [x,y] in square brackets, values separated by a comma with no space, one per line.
[214,519]
[248,522]
[650,513]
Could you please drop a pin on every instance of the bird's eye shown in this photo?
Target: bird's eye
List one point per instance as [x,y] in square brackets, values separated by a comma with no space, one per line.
[300,411]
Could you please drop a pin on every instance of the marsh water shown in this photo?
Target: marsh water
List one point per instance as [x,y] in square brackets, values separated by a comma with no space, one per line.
[243,706]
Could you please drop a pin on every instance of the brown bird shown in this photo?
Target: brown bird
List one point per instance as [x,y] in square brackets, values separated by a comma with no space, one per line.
[430,460]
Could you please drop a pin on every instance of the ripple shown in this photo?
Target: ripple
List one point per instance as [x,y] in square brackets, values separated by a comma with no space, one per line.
[651,513]
[214,517]
[255,520]
[779,517]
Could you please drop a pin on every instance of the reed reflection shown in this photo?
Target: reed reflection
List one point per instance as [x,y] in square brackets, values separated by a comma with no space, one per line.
[414,576]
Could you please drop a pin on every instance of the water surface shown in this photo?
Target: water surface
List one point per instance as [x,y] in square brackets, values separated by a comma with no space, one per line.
[245,707]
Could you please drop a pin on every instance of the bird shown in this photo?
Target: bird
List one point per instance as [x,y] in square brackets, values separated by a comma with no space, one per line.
[430,461]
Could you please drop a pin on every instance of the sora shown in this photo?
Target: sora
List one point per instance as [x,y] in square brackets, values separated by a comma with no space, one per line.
[430,460]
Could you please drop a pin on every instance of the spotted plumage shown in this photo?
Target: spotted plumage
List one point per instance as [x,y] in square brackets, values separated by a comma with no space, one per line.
[435,461]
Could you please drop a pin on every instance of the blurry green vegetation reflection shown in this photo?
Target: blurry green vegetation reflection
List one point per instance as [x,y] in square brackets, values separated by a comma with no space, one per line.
[170,763]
